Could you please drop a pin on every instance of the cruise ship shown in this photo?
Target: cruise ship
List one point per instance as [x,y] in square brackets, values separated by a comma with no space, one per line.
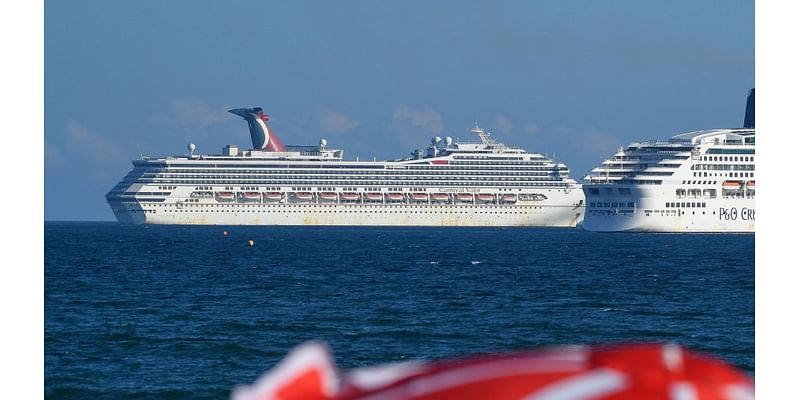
[485,183]
[703,181]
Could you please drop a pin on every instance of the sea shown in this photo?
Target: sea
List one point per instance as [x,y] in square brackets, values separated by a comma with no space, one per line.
[165,312]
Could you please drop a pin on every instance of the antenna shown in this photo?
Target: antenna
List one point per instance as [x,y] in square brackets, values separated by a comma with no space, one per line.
[141,156]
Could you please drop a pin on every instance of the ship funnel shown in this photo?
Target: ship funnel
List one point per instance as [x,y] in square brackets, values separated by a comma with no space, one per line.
[263,137]
[750,111]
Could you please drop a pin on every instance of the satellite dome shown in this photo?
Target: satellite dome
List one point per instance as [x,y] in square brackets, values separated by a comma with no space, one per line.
[436,140]
[448,140]
[191,147]
[323,143]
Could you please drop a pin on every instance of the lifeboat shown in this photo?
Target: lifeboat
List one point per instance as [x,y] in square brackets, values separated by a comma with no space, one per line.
[250,197]
[395,197]
[349,196]
[327,196]
[509,198]
[440,197]
[272,196]
[374,196]
[751,185]
[485,197]
[224,196]
[464,197]
[731,185]
[419,196]
[302,196]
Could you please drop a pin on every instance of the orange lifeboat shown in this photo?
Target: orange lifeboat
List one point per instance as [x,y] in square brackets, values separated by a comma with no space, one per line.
[272,196]
[225,196]
[464,197]
[395,197]
[349,196]
[419,196]
[374,196]
[327,196]
[440,197]
[731,185]
[509,198]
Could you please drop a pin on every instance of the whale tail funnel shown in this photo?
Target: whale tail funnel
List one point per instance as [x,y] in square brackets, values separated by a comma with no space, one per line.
[750,110]
[263,137]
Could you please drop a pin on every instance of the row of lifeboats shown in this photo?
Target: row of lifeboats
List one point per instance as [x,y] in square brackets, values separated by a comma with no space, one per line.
[258,197]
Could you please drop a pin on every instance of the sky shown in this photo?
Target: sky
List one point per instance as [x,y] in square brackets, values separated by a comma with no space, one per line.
[574,79]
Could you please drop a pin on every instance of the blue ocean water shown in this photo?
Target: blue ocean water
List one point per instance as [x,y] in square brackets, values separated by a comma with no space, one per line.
[184,312]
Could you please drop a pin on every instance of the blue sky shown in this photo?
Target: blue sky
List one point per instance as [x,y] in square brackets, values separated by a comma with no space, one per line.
[574,78]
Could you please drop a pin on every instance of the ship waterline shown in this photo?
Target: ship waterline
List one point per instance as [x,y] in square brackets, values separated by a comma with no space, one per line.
[448,184]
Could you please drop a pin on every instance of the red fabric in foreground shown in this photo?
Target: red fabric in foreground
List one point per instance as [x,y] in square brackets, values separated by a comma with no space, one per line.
[614,372]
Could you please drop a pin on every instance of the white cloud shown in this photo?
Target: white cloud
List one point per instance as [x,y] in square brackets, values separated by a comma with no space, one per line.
[53,157]
[191,113]
[84,142]
[331,121]
[503,124]
[429,120]
[531,128]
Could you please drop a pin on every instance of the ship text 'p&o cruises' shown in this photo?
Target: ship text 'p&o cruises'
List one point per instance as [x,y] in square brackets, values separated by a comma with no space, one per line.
[702,181]
[449,184]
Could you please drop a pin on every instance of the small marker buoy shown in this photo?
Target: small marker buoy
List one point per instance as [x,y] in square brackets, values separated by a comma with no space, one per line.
[251,243]
[224,233]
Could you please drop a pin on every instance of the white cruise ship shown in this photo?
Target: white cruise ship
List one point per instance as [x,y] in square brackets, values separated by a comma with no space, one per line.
[448,184]
[700,181]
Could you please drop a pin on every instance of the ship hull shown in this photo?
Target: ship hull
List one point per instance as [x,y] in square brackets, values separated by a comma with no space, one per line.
[357,215]
[651,214]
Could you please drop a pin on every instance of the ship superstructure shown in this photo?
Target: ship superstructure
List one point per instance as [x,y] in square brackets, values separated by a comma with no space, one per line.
[701,181]
[448,184]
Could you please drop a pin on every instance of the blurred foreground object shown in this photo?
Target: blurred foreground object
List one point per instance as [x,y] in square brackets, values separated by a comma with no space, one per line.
[623,372]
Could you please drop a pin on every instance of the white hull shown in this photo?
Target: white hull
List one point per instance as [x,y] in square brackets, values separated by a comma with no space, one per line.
[357,215]
[650,214]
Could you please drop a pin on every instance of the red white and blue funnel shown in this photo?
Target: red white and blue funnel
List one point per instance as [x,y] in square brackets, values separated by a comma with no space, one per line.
[263,137]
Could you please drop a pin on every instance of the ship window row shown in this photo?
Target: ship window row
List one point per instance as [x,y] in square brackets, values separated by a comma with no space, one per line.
[324,174]
[362,182]
[725,167]
[148,193]
[439,168]
[686,204]
[731,151]
[727,158]
[383,184]
[731,174]
[611,204]
[696,193]
[361,178]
